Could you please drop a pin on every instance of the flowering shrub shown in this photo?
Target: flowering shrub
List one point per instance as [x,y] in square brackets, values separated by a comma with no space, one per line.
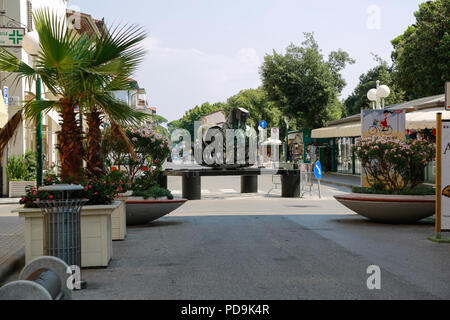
[99,191]
[393,165]
[152,149]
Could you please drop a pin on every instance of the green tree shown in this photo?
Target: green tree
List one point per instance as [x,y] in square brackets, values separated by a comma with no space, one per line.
[358,100]
[257,103]
[303,84]
[422,53]
[195,114]
[81,71]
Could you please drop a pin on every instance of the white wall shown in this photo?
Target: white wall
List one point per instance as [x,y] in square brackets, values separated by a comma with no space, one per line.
[17,10]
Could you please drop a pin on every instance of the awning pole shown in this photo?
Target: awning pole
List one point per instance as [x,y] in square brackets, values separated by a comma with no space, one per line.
[438,175]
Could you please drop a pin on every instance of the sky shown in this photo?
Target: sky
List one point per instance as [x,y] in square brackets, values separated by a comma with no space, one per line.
[208,50]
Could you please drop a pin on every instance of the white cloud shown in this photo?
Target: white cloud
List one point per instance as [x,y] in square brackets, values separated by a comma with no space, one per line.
[177,79]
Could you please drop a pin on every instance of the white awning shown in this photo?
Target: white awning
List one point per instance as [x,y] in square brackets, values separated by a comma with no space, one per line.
[4,117]
[352,129]
[424,119]
[416,120]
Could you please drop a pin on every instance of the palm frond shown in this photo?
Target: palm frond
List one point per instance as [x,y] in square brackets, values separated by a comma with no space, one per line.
[34,108]
[9,130]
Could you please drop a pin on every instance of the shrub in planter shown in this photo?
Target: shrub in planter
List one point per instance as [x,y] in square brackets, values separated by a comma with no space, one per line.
[394,165]
[22,168]
[151,149]
[99,191]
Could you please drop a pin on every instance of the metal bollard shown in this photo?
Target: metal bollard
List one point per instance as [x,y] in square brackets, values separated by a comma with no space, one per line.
[44,278]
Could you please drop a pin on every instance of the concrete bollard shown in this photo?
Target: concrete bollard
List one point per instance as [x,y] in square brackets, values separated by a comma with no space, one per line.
[44,278]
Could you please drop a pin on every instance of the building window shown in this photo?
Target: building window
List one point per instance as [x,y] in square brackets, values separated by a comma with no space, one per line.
[30,16]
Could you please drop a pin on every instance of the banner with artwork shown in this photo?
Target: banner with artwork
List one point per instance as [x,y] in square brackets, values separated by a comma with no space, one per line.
[445,172]
[375,123]
[384,123]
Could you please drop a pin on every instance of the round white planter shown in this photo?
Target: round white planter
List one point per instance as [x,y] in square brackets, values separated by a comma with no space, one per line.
[140,211]
[390,208]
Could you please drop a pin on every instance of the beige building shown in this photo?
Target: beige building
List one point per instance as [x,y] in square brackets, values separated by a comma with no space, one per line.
[17,16]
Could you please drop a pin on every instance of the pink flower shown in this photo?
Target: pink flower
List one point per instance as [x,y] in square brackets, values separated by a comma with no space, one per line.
[51,197]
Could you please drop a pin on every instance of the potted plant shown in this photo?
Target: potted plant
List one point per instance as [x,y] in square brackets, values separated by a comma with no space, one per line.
[21,171]
[96,217]
[149,201]
[395,173]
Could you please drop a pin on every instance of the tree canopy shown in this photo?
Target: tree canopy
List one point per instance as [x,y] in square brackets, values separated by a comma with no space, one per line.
[422,53]
[195,114]
[358,100]
[257,103]
[304,85]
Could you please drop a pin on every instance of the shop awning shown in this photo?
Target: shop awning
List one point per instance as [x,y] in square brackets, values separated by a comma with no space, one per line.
[416,120]
[351,129]
[3,112]
[424,119]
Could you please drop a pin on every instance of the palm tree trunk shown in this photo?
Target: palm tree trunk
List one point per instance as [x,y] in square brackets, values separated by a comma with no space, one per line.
[96,158]
[70,144]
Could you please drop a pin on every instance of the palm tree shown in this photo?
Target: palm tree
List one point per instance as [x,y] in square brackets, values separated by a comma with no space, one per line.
[114,56]
[79,70]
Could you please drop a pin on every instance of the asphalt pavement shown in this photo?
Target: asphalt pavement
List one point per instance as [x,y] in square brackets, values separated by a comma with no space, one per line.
[261,248]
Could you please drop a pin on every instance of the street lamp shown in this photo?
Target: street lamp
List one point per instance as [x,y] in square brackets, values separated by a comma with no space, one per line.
[287,121]
[31,45]
[378,95]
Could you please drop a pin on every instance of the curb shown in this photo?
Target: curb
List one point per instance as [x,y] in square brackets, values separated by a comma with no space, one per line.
[340,184]
[12,265]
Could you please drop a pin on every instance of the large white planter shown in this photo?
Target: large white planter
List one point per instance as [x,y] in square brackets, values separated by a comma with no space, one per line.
[96,234]
[390,208]
[17,188]
[119,218]
[140,211]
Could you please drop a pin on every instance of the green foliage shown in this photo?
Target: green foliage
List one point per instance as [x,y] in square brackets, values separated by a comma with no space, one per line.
[152,149]
[257,103]
[422,53]
[154,192]
[393,165]
[358,100]
[418,191]
[99,191]
[304,85]
[22,168]
[195,114]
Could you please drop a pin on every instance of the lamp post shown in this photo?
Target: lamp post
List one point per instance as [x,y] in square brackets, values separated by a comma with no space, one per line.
[377,96]
[286,155]
[31,45]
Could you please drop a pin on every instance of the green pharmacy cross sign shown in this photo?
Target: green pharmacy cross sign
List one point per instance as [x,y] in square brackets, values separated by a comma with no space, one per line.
[11,37]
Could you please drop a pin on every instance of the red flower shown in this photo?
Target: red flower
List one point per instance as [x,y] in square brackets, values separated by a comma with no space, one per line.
[113,169]
[144,168]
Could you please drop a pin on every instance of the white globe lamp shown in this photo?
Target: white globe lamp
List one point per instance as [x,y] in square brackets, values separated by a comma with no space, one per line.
[383,91]
[372,95]
[31,44]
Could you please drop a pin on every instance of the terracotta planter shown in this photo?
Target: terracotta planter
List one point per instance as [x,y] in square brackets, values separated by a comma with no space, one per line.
[390,208]
[140,211]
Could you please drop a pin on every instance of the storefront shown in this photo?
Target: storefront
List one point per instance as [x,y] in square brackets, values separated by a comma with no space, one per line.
[420,124]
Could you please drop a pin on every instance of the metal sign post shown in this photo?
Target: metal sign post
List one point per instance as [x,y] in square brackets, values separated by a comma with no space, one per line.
[447,96]
[318,174]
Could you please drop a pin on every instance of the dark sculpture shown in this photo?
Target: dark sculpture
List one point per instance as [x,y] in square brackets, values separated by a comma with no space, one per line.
[244,135]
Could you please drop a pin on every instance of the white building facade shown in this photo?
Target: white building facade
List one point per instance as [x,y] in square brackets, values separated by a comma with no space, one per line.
[18,14]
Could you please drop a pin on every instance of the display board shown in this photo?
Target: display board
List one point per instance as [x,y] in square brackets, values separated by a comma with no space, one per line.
[385,123]
[445,173]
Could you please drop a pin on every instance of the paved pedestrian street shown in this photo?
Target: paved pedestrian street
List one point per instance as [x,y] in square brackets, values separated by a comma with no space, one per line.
[263,248]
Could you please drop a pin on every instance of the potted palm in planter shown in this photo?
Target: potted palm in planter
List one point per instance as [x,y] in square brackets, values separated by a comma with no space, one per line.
[21,171]
[395,173]
[149,201]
